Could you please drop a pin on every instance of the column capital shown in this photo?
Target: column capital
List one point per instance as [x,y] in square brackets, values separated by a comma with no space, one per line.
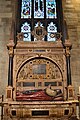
[67,46]
[10,46]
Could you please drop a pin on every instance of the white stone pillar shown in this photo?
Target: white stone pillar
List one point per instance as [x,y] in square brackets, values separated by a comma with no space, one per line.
[77,111]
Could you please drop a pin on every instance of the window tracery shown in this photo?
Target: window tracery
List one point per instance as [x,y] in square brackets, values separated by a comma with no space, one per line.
[46,11]
[38,8]
[26,29]
[26,9]
[51,29]
[51,9]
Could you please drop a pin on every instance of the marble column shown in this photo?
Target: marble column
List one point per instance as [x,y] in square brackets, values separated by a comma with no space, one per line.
[67,45]
[10,69]
[69,82]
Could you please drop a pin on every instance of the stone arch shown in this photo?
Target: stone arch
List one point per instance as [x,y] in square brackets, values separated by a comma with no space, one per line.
[43,57]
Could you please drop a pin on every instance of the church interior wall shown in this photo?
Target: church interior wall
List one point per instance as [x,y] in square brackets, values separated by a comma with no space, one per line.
[71,10]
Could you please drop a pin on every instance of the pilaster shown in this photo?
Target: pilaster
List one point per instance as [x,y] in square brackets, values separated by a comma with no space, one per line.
[70,88]
[9,89]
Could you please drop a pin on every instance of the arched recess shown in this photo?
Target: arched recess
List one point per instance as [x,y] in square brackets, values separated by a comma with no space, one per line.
[38,58]
[39,72]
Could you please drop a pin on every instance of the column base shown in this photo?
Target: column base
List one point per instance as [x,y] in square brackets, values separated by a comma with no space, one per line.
[70,92]
[9,93]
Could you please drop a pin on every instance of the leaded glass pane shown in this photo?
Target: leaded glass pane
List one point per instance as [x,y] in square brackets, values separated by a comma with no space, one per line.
[50,8]
[26,29]
[26,9]
[51,29]
[38,8]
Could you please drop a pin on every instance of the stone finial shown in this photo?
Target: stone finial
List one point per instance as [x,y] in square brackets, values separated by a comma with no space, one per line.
[20,36]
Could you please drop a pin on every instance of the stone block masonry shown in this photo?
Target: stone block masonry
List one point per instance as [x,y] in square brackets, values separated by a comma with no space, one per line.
[5,24]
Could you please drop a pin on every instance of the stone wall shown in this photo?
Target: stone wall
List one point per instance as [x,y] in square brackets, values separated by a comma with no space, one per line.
[71,9]
[72,16]
[5,24]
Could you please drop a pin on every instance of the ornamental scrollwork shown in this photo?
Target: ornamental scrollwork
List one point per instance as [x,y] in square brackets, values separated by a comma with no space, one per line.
[39,69]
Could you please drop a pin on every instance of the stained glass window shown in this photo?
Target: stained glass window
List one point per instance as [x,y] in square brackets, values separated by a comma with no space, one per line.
[26,29]
[51,29]
[51,9]
[38,8]
[26,9]
[47,12]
